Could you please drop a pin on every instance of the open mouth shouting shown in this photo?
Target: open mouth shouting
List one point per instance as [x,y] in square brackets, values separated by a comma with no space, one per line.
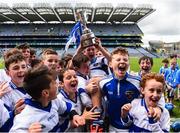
[153,101]
[73,85]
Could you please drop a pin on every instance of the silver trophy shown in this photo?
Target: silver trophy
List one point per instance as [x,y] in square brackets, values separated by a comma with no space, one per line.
[88,37]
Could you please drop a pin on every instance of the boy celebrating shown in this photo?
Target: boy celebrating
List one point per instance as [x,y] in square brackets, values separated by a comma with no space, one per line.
[40,84]
[76,96]
[141,110]
[120,88]
[15,68]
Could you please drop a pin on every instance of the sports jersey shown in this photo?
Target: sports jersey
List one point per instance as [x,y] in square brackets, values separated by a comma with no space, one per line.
[6,118]
[163,70]
[4,76]
[170,77]
[14,95]
[47,116]
[119,92]
[82,80]
[177,78]
[99,67]
[140,122]
[81,100]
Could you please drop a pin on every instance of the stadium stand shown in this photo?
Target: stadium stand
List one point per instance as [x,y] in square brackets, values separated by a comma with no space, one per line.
[45,26]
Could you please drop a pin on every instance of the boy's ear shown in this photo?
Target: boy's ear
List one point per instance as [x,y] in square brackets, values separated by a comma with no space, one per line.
[7,72]
[142,90]
[45,93]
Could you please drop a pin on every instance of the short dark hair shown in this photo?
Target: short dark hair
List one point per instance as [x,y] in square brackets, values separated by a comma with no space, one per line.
[173,56]
[66,59]
[10,52]
[79,59]
[37,79]
[146,58]
[165,61]
[23,46]
[13,59]
[35,62]
[48,52]
[32,51]
[61,73]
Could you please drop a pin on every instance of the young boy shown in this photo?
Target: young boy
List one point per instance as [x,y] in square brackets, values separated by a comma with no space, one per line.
[50,59]
[170,77]
[145,64]
[140,117]
[76,96]
[43,107]
[25,49]
[81,65]
[165,63]
[98,65]
[3,75]
[15,68]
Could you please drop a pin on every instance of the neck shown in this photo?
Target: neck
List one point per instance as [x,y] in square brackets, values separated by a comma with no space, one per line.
[144,72]
[17,84]
[44,102]
[70,95]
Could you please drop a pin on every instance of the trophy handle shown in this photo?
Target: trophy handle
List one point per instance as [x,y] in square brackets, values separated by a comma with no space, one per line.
[82,17]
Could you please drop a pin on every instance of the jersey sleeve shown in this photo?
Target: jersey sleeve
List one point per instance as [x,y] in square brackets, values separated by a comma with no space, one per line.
[64,108]
[84,97]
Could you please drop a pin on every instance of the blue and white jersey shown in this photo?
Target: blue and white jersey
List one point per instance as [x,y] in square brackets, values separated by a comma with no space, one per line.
[177,79]
[170,77]
[119,92]
[162,70]
[138,115]
[14,95]
[4,116]
[47,116]
[82,100]
[99,67]
[82,80]
[3,76]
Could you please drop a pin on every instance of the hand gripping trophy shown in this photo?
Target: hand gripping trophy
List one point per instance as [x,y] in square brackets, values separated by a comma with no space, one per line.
[88,37]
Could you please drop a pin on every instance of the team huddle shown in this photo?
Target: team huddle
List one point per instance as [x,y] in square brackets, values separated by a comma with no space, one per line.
[90,91]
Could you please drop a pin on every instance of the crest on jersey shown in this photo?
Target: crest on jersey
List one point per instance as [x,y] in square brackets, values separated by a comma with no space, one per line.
[129,94]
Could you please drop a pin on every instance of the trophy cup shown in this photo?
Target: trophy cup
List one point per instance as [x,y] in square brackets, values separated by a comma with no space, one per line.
[88,37]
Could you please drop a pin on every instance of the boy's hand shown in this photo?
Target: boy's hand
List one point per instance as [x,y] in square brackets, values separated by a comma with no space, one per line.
[156,113]
[4,88]
[98,44]
[19,106]
[90,115]
[93,85]
[78,121]
[125,110]
[35,128]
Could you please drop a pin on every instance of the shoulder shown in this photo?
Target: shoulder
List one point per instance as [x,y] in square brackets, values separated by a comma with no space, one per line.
[135,80]
[135,77]
[136,102]
[106,80]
